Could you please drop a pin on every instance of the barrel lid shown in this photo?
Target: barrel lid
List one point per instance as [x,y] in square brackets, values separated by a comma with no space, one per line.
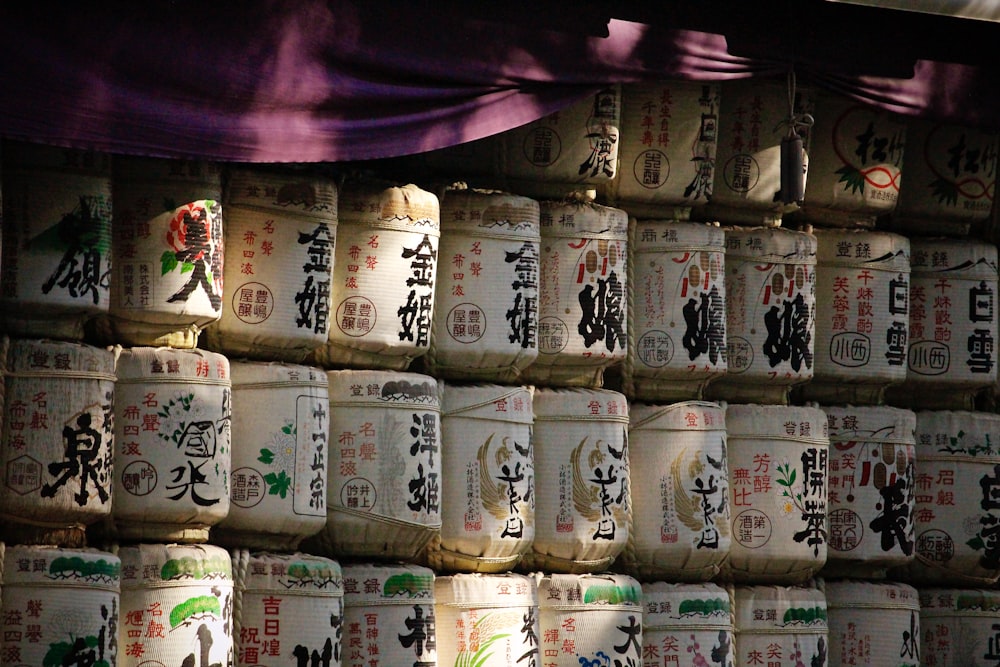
[770,244]
[492,211]
[883,251]
[243,373]
[576,219]
[959,432]
[669,235]
[683,416]
[49,566]
[286,190]
[603,590]
[964,259]
[780,422]
[486,590]
[138,169]
[670,605]
[957,601]
[151,364]
[22,154]
[405,207]
[871,424]
[798,609]
[43,357]
[599,404]
[296,572]
[383,387]
[373,584]
[154,565]
[487,401]
[858,594]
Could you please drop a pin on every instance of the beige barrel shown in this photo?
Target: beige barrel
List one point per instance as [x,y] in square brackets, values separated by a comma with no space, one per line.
[778,492]
[56,224]
[680,511]
[61,607]
[588,618]
[389,614]
[667,155]
[280,234]
[486,300]
[753,121]
[676,310]
[582,305]
[280,457]
[953,325]
[871,490]
[172,457]
[956,506]
[959,626]
[770,314]
[873,624]
[583,503]
[687,625]
[488,473]
[855,162]
[950,178]
[487,619]
[862,309]
[783,624]
[58,439]
[176,606]
[288,609]
[384,493]
[384,274]
[167,273]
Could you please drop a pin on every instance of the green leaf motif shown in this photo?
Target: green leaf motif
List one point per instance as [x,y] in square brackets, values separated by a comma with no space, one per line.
[187,267]
[266,456]
[976,543]
[278,484]
[288,429]
[168,262]
[852,178]
[946,191]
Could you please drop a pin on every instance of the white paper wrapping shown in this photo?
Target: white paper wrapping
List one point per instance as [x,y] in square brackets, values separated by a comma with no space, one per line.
[688,625]
[786,625]
[873,624]
[958,626]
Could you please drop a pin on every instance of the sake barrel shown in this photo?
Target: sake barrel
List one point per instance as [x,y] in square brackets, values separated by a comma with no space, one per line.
[676,310]
[870,490]
[56,239]
[582,500]
[953,327]
[956,507]
[753,124]
[667,154]
[873,624]
[778,467]
[488,473]
[58,439]
[177,606]
[770,314]
[786,625]
[172,457]
[166,277]
[280,233]
[289,608]
[281,449]
[855,162]
[680,520]
[487,296]
[588,618]
[862,306]
[582,305]
[688,625]
[487,619]
[60,606]
[384,273]
[959,626]
[950,178]
[384,491]
[389,613]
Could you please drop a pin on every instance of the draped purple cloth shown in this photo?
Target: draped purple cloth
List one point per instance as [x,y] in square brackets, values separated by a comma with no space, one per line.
[339,80]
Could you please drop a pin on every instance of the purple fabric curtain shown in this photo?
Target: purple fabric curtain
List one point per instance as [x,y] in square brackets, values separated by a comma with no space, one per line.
[341,80]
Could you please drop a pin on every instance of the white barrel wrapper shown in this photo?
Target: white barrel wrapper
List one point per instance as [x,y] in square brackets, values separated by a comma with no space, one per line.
[486,299]
[384,273]
[384,490]
[680,522]
[61,607]
[778,467]
[488,472]
[280,233]
[487,619]
[583,503]
[167,270]
[177,606]
[281,452]
[172,457]
[873,624]
[289,609]
[389,613]
[56,239]
[871,489]
[667,154]
[58,435]
[676,310]
[582,305]
[770,313]
[687,625]
[784,625]
[959,627]
[588,618]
